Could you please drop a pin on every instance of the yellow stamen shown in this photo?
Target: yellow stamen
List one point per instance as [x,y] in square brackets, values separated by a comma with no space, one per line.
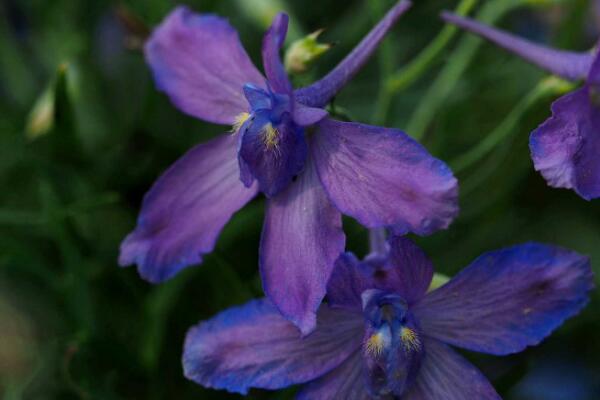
[410,339]
[374,344]
[270,136]
[239,121]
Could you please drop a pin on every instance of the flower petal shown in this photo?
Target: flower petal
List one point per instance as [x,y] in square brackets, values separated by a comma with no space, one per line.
[185,210]
[305,116]
[345,382]
[254,346]
[508,299]
[410,270]
[199,62]
[272,43]
[321,92]
[567,64]
[444,375]
[382,177]
[406,270]
[565,148]
[302,237]
[273,155]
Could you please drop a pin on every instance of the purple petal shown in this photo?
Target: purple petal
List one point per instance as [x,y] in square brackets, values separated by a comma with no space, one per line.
[593,78]
[302,237]
[345,382]
[382,177]
[444,375]
[185,210]
[410,271]
[319,93]
[254,346]
[273,159]
[565,148]
[507,300]
[570,65]
[406,270]
[305,116]
[199,62]
[272,43]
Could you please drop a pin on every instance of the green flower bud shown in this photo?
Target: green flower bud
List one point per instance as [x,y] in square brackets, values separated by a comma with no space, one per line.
[303,53]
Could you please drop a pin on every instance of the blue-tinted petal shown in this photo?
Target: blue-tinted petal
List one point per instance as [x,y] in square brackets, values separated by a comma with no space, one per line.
[185,210]
[444,375]
[254,346]
[258,98]
[199,62]
[302,237]
[271,154]
[565,148]
[305,116]
[321,92]
[382,177]
[272,43]
[508,299]
[405,270]
[345,382]
[568,64]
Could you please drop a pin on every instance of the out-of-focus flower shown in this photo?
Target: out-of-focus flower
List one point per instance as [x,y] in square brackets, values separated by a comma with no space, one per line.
[382,335]
[379,176]
[565,147]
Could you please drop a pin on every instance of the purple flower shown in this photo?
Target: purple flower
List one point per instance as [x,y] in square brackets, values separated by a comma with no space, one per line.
[379,176]
[565,148]
[383,334]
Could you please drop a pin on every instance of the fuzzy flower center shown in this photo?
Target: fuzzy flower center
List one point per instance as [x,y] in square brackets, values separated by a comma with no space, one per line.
[392,346]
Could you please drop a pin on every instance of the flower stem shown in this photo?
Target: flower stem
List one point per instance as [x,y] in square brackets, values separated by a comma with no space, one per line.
[378,240]
[406,76]
[393,82]
[546,87]
[460,59]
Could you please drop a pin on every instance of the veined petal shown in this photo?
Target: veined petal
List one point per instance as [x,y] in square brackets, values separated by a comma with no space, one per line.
[321,92]
[271,45]
[445,375]
[508,299]
[565,148]
[406,270]
[254,346]
[345,382]
[185,210]
[302,237]
[567,64]
[382,177]
[199,62]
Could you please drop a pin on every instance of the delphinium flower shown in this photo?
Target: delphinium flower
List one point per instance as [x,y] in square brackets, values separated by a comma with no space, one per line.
[382,334]
[283,143]
[565,147]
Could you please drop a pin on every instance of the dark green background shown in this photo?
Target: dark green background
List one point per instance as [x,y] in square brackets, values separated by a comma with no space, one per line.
[74,325]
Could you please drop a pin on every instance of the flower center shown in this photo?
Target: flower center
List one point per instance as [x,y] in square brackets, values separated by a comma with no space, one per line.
[392,348]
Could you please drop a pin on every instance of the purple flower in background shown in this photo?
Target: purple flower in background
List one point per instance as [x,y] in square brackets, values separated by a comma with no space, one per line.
[383,335]
[379,176]
[565,148]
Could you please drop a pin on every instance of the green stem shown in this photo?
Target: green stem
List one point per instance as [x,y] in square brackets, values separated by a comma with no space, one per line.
[394,82]
[384,96]
[459,61]
[546,87]
[421,63]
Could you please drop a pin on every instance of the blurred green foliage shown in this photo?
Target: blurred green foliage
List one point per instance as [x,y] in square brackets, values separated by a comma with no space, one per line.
[75,326]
